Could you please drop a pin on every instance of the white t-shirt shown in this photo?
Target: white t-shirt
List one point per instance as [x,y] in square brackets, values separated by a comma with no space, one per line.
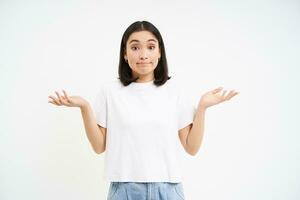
[142,121]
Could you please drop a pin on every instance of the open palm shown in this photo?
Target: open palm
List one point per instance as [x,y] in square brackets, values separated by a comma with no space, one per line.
[215,96]
[65,100]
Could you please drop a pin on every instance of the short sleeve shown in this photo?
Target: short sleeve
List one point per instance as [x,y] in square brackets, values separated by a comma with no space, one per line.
[186,110]
[100,108]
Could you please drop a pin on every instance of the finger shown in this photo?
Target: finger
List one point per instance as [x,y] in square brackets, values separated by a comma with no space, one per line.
[229,95]
[55,100]
[233,94]
[217,90]
[64,101]
[51,101]
[66,96]
[59,97]
[223,94]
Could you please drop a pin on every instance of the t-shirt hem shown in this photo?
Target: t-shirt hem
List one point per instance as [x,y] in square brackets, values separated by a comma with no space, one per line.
[177,180]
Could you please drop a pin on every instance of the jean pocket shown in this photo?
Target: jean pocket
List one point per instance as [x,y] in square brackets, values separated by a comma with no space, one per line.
[179,190]
[113,188]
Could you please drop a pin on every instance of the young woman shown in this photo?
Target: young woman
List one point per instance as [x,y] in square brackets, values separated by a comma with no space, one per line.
[141,120]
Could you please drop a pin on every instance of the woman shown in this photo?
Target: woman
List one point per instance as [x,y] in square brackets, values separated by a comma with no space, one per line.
[141,119]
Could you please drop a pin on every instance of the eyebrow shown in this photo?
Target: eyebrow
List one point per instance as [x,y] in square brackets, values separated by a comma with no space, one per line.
[150,40]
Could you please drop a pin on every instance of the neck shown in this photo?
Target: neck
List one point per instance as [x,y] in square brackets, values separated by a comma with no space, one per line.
[146,78]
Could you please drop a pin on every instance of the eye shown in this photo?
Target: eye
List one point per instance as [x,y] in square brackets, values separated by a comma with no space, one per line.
[151,47]
[134,48]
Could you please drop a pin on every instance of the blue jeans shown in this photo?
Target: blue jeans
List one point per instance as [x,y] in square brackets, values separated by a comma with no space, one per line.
[145,191]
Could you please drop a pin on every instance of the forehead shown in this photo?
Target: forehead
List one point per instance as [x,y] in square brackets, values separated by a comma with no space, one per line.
[141,37]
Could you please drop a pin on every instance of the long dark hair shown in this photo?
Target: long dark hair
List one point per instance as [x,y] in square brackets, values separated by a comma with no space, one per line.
[160,72]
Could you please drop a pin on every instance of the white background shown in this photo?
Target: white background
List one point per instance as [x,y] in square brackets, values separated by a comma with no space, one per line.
[250,148]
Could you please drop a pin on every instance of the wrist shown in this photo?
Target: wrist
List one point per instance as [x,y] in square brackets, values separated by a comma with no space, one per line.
[201,109]
[84,106]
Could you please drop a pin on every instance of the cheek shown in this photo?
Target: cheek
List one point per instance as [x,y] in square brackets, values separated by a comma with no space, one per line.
[131,61]
[155,55]
[132,56]
[155,58]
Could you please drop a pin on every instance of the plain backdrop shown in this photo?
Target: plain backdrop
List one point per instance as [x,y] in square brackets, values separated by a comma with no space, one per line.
[250,148]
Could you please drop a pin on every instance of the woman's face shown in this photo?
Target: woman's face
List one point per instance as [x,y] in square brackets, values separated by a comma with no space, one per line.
[142,54]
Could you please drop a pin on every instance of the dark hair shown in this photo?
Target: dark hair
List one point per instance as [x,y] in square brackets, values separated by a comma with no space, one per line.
[161,70]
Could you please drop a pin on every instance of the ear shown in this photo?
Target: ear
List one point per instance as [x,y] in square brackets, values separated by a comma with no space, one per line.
[159,54]
[125,56]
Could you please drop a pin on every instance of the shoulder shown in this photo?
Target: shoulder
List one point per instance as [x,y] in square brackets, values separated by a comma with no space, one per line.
[174,85]
[107,86]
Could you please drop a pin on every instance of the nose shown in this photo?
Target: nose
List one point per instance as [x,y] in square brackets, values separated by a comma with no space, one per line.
[143,55]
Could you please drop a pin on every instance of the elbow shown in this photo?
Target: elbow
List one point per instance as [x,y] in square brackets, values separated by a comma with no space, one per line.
[192,151]
[99,150]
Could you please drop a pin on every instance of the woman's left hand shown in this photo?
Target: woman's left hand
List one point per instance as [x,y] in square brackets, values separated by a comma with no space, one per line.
[215,96]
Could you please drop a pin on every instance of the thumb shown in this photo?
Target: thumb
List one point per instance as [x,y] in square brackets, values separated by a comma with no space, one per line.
[217,90]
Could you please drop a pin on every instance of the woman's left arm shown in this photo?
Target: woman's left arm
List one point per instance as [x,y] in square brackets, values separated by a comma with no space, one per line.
[195,133]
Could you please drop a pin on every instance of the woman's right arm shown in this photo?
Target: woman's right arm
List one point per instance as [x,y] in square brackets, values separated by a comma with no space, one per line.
[95,133]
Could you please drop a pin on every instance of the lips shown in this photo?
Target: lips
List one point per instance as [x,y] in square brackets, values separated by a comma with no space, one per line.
[143,63]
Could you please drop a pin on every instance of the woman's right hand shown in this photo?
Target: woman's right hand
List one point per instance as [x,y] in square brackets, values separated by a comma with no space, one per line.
[65,100]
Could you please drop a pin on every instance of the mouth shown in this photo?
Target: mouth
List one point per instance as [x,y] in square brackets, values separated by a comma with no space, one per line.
[143,63]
